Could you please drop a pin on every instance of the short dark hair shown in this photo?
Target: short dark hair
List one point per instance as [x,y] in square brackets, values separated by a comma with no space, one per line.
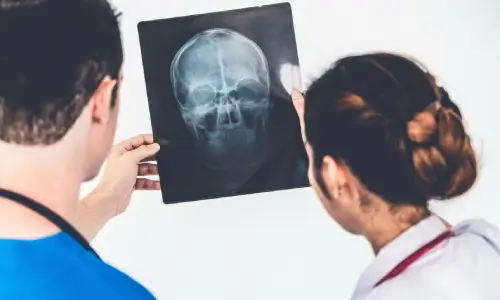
[384,117]
[53,56]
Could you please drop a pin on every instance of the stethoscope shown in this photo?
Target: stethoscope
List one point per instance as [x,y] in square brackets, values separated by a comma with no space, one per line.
[49,215]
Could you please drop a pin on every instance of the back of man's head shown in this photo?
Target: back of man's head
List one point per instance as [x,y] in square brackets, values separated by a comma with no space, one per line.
[53,56]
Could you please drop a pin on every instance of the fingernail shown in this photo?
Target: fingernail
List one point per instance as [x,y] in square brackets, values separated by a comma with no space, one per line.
[155,146]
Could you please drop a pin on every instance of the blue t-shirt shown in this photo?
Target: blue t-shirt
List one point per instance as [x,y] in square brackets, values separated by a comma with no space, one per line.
[56,268]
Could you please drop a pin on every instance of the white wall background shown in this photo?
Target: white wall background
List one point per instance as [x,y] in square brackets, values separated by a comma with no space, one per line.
[282,245]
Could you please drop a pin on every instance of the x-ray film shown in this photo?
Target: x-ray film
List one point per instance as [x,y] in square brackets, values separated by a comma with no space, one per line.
[218,87]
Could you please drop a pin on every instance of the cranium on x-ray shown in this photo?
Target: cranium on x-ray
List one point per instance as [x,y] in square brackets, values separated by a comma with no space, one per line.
[220,80]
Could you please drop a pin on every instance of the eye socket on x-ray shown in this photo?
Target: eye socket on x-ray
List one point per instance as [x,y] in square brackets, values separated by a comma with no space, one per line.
[249,90]
[201,95]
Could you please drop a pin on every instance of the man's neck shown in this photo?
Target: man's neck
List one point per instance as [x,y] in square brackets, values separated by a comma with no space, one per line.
[48,176]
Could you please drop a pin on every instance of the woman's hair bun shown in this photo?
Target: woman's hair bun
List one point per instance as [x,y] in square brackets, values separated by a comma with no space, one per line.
[443,157]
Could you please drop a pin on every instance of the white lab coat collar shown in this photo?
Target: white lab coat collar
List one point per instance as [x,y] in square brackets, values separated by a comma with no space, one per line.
[397,250]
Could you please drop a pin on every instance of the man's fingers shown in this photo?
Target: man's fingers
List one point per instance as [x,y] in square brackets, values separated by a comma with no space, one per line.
[146,169]
[135,142]
[298,103]
[143,152]
[147,184]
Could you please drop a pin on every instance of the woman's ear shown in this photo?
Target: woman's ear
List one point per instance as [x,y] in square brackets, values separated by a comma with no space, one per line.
[101,101]
[334,176]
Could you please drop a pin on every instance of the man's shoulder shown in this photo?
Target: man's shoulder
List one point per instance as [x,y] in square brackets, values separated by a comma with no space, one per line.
[65,273]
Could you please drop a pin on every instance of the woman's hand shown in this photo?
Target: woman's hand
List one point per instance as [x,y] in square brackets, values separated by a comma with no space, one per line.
[126,161]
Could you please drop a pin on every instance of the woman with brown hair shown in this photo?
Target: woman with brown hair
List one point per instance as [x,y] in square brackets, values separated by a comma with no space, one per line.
[383,139]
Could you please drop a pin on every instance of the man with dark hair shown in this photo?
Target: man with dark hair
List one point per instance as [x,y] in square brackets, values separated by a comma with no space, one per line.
[60,72]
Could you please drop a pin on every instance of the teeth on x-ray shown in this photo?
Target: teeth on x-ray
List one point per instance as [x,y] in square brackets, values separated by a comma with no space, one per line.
[214,86]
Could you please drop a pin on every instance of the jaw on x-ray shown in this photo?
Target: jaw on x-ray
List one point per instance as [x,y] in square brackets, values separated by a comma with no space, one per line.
[221,82]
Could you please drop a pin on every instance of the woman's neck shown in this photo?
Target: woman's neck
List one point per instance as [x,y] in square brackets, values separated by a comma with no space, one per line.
[384,227]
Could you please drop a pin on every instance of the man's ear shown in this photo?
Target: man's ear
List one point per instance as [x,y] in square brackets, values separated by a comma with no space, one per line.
[101,101]
[334,175]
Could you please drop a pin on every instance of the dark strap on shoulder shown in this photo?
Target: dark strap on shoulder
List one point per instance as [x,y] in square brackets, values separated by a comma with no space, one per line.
[49,215]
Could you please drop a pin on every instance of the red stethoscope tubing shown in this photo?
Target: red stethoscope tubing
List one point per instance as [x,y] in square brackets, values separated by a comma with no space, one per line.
[403,265]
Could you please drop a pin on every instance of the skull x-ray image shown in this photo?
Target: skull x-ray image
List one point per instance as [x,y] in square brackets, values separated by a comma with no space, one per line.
[223,99]
[218,89]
